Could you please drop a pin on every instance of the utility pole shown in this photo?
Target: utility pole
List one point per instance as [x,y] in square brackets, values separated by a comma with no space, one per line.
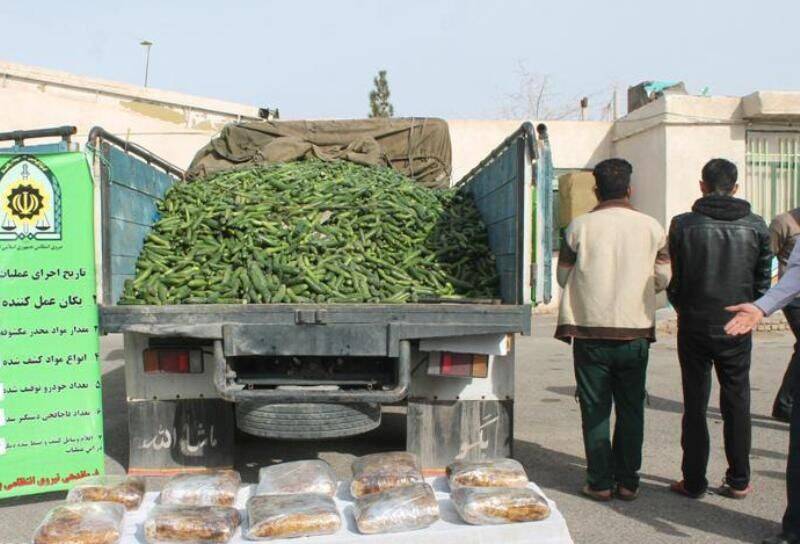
[584,107]
[147,45]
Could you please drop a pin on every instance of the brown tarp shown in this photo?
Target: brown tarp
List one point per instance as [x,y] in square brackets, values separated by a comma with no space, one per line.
[417,147]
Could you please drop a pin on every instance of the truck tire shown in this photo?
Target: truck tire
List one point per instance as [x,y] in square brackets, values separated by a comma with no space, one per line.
[306,421]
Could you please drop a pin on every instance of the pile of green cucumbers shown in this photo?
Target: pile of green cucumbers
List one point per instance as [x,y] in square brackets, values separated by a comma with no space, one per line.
[313,232]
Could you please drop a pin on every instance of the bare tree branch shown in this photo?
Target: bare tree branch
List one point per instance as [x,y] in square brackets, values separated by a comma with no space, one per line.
[535,98]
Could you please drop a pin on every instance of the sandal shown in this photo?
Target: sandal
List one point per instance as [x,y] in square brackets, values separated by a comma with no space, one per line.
[732,493]
[595,495]
[625,494]
[680,489]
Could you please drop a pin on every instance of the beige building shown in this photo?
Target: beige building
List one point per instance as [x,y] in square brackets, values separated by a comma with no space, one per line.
[667,141]
[172,125]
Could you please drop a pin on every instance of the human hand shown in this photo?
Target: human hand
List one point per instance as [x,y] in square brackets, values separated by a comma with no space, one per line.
[746,318]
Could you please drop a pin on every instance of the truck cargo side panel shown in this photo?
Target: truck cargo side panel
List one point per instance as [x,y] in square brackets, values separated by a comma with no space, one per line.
[130,189]
[543,226]
[501,186]
[496,193]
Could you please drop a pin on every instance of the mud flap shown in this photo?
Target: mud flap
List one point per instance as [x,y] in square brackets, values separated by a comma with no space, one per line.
[173,436]
[443,431]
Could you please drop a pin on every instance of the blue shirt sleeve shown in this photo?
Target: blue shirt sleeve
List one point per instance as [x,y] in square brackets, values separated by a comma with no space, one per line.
[786,290]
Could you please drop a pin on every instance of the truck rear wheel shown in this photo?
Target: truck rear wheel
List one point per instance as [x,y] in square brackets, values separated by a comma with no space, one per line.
[306,421]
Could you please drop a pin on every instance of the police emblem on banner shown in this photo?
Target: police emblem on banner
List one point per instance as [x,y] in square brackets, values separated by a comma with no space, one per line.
[30,201]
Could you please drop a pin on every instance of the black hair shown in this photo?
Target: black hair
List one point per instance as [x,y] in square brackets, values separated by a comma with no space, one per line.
[613,178]
[720,176]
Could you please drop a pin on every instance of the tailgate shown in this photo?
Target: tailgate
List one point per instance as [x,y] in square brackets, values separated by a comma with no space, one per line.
[293,328]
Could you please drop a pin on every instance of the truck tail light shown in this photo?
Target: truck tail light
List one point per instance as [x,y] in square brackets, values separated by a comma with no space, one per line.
[460,365]
[173,361]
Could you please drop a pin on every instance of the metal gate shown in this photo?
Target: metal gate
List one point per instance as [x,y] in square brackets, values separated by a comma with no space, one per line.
[772,179]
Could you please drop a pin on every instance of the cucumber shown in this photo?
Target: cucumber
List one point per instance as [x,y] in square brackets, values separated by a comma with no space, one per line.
[312,231]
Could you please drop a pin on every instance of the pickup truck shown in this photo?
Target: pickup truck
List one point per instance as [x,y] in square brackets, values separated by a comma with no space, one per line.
[199,375]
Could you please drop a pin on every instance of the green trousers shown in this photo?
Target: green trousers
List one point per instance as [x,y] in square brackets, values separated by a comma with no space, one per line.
[609,371]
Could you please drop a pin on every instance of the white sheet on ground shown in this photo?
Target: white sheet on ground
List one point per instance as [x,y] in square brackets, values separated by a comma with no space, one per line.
[450,529]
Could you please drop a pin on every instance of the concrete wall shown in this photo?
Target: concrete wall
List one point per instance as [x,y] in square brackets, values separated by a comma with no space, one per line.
[669,141]
[172,125]
[646,151]
[575,144]
[688,149]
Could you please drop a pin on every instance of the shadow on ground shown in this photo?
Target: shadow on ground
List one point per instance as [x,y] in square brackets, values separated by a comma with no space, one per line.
[668,405]
[115,415]
[664,511]
[253,452]
[33,499]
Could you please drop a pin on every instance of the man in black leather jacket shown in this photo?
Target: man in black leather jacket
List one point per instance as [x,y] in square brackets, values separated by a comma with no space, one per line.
[720,256]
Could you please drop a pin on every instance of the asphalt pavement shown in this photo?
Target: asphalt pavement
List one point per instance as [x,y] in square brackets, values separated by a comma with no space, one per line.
[548,442]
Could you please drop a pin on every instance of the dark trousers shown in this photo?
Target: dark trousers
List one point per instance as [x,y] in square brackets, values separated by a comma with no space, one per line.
[730,357]
[782,407]
[609,371]
[791,519]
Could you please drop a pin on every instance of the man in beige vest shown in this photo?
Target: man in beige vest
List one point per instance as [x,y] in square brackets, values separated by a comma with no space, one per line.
[612,263]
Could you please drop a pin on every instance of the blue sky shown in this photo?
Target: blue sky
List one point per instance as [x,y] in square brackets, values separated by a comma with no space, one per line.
[444,58]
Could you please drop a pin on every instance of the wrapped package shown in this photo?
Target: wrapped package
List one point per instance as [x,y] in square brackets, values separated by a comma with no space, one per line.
[289,516]
[400,509]
[381,471]
[494,505]
[313,476]
[214,488]
[81,523]
[125,490]
[174,523]
[490,473]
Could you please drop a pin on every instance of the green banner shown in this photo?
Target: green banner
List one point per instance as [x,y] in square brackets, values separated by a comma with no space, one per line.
[51,422]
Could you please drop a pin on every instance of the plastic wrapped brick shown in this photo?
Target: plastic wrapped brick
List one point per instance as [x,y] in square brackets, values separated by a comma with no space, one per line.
[289,516]
[81,523]
[381,471]
[400,509]
[216,488]
[173,524]
[313,476]
[125,490]
[495,505]
[490,473]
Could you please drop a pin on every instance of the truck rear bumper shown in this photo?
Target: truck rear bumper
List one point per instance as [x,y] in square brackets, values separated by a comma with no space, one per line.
[386,331]
[236,393]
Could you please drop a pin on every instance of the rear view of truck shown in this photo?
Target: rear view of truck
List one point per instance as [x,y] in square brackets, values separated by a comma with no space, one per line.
[314,370]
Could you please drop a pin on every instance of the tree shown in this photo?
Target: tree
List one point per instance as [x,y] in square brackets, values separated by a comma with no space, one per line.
[535,98]
[379,105]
